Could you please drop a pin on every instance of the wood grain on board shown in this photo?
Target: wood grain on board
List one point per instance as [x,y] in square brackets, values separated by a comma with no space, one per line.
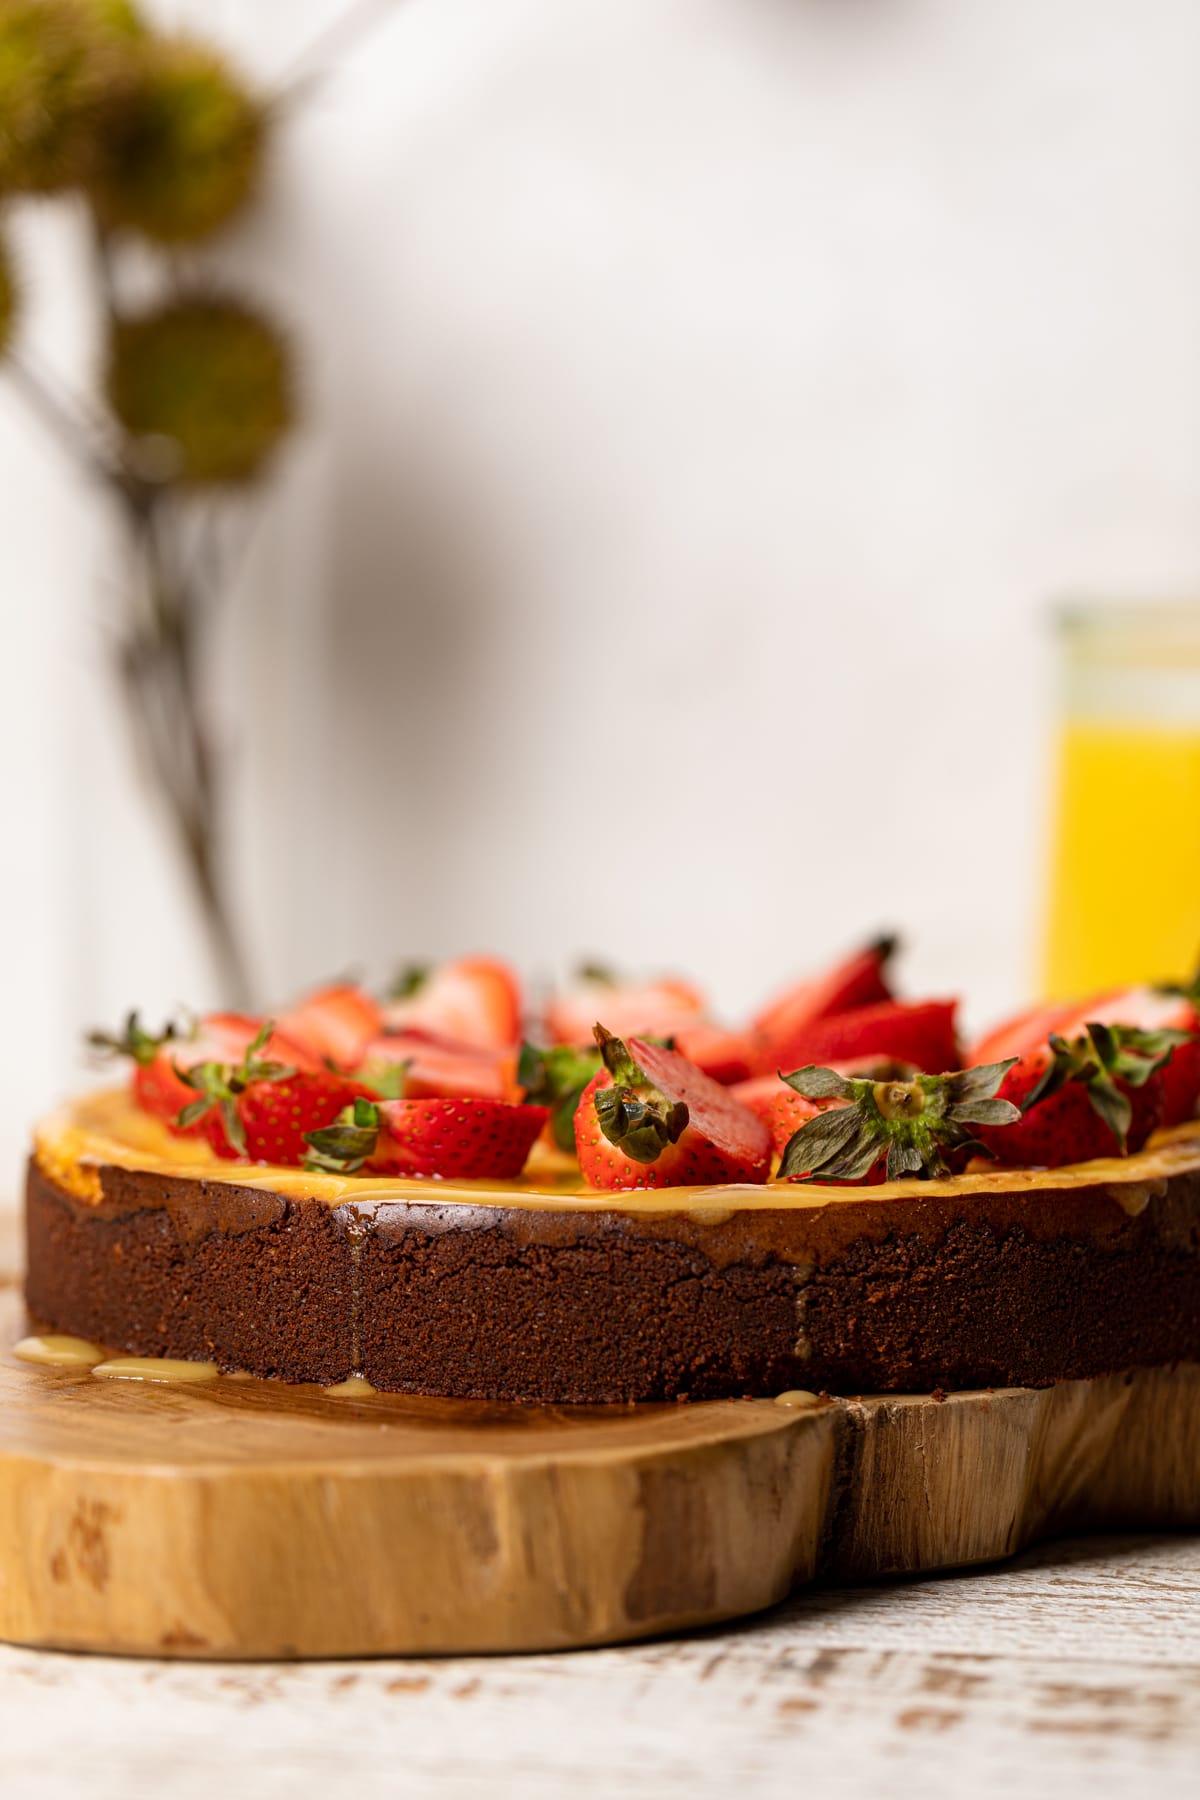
[257,1520]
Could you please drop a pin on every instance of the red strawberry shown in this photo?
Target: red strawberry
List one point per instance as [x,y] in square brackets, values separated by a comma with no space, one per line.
[860,980]
[464,1139]
[220,1038]
[335,1024]
[893,1124]
[276,1116]
[725,1055]
[1094,1078]
[436,1069]
[474,1001]
[1152,1009]
[922,1034]
[786,1112]
[650,1118]
[757,1095]
[655,1008]
[1024,1031]
[262,1109]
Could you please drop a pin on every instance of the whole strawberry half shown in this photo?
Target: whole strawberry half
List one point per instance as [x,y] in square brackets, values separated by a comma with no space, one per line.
[650,1119]
[474,1001]
[261,1109]
[893,1124]
[161,1060]
[758,1095]
[1096,1077]
[1151,1010]
[467,1139]
[922,1034]
[786,1111]
[275,1117]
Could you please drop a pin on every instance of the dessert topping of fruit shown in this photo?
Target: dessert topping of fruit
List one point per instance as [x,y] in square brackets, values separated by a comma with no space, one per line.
[648,1008]
[555,1078]
[861,979]
[336,1024]
[470,1139]
[474,1002]
[433,1082]
[262,1109]
[922,1034]
[917,1126]
[650,1118]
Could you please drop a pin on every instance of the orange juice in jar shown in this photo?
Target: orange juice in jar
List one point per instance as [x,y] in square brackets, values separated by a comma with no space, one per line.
[1125,860]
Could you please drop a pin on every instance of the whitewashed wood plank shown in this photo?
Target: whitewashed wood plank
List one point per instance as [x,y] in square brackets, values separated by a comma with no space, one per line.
[1076,1671]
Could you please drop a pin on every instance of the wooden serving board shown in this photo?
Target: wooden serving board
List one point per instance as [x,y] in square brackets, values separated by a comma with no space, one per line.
[251,1519]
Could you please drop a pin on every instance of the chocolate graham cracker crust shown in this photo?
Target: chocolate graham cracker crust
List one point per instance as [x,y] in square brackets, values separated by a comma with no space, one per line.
[1021,1280]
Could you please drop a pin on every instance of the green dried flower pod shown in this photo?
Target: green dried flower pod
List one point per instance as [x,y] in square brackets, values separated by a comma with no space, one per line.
[183,153]
[63,68]
[210,376]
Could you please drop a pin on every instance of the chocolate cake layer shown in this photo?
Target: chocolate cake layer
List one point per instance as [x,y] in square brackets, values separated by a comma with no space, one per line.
[956,1285]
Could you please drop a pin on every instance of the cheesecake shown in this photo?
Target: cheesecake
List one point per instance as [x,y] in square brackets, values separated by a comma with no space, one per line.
[542,1288]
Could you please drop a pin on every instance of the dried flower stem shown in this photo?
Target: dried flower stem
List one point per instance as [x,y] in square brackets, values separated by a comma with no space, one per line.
[158,661]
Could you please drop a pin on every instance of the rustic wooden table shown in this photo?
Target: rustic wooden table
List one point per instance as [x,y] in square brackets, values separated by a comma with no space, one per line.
[1073,1671]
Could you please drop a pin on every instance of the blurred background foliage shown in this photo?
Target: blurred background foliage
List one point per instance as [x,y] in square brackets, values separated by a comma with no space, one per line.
[163,145]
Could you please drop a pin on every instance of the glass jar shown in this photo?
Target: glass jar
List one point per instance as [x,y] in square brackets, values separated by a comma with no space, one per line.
[1124,902]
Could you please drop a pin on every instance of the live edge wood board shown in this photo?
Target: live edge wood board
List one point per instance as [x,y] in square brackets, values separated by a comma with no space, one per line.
[251,1519]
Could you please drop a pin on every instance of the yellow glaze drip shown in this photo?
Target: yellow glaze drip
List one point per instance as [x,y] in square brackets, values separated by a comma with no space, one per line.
[355,1387]
[154,1368]
[797,1397]
[105,1128]
[59,1352]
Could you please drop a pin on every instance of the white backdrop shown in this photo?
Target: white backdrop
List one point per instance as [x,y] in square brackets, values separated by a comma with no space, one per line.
[704,397]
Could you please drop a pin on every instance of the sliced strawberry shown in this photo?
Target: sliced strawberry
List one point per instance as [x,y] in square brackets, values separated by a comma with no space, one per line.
[434,1069]
[651,1009]
[650,1118]
[727,1056]
[463,1139]
[474,1001]
[859,980]
[1027,1030]
[921,1034]
[334,1025]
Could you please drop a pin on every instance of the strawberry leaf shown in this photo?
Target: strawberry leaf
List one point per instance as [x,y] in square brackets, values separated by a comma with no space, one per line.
[409,981]
[1111,1105]
[387,1079]
[912,1122]
[819,1084]
[556,1078]
[220,1084]
[135,1041]
[343,1147]
[632,1113]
